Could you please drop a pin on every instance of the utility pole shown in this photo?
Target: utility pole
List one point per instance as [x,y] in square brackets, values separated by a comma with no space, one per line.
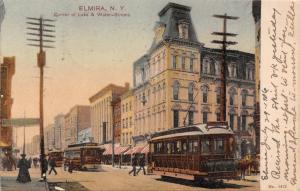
[24,136]
[38,28]
[224,44]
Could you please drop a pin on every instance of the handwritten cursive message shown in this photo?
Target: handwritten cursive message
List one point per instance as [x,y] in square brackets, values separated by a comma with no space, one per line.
[279,139]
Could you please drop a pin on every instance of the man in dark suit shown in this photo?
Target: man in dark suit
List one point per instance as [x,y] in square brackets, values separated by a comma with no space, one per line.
[52,163]
[134,164]
[142,164]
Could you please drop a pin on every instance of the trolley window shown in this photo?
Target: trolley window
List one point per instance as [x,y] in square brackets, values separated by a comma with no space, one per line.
[158,147]
[170,147]
[193,146]
[205,144]
[178,147]
[184,146]
[219,145]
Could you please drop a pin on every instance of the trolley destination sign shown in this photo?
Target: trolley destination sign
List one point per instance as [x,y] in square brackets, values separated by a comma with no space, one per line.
[17,122]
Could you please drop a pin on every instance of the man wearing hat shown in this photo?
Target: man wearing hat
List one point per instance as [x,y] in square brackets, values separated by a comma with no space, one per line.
[23,166]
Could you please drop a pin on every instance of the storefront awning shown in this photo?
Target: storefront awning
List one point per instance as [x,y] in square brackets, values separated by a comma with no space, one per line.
[121,150]
[118,149]
[134,150]
[107,148]
[145,149]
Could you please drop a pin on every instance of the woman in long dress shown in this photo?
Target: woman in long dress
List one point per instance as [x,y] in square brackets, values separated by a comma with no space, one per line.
[23,166]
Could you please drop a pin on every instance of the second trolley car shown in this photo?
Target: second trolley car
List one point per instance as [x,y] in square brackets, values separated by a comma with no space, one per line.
[86,156]
[58,156]
[197,152]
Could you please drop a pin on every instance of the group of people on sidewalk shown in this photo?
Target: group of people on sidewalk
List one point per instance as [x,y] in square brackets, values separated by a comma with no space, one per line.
[25,164]
[138,161]
[8,162]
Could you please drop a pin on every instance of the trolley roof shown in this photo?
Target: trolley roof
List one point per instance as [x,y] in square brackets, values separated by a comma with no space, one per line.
[194,130]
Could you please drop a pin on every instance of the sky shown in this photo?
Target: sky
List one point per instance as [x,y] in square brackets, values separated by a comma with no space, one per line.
[94,51]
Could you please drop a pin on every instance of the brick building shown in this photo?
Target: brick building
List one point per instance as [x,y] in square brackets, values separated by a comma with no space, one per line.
[6,101]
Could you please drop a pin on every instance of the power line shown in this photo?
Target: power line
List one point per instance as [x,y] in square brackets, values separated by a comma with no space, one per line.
[41,33]
[224,44]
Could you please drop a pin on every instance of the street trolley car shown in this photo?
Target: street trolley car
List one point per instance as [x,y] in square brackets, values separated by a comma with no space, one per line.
[58,156]
[198,152]
[85,156]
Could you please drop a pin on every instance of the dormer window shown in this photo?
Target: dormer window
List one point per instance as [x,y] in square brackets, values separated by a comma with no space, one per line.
[183,29]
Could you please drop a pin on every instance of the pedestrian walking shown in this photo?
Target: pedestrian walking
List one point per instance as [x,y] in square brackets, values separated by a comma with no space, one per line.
[52,163]
[23,166]
[44,166]
[30,161]
[134,163]
[142,165]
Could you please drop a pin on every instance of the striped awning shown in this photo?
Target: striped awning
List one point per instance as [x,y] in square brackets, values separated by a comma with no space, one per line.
[121,150]
[145,149]
[108,149]
[134,150]
[118,149]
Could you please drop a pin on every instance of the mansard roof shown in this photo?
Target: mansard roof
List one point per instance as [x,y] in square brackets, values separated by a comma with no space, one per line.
[170,16]
[141,61]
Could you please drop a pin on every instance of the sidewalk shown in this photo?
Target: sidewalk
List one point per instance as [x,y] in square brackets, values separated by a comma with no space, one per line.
[8,182]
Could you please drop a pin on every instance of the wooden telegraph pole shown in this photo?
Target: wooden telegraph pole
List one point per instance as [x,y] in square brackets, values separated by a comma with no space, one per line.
[224,44]
[38,28]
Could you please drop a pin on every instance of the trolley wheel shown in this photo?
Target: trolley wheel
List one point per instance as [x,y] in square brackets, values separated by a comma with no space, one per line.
[199,180]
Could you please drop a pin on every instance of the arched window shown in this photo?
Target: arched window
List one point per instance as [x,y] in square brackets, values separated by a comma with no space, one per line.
[183,63]
[212,67]
[234,72]
[191,64]
[218,116]
[174,61]
[191,92]
[250,74]
[204,117]
[231,99]
[218,69]
[175,90]
[231,119]
[218,95]
[154,95]
[191,117]
[231,92]
[175,118]
[244,122]
[244,97]
[205,66]
[230,70]
[204,94]
[159,94]
[164,91]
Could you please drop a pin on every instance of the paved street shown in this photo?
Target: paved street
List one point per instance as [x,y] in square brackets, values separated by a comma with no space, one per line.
[114,179]
[8,182]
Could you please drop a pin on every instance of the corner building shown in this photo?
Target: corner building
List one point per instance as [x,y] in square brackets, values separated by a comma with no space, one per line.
[166,78]
[177,82]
